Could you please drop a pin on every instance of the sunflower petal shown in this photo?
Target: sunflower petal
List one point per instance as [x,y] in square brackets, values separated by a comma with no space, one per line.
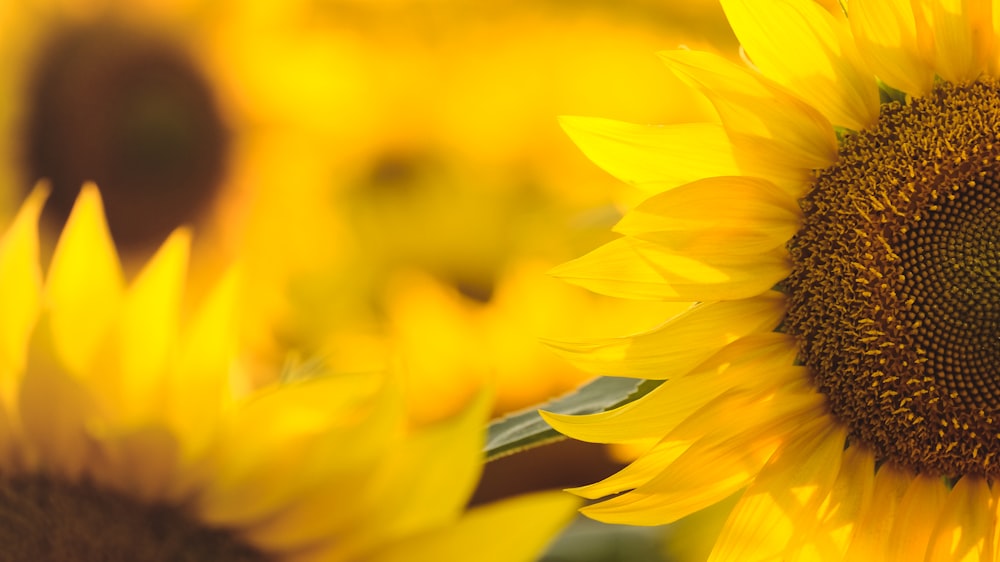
[721,462]
[20,287]
[963,38]
[638,472]
[639,269]
[794,483]
[740,364]
[58,437]
[147,332]
[886,31]
[537,518]
[964,530]
[85,283]
[616,269]
[912,528]
[654,157]
[871,538]
[197,388]
[840,514]
[325,427]
[770,128]
[724,214]
[442,464]
[803,47]
[680,344]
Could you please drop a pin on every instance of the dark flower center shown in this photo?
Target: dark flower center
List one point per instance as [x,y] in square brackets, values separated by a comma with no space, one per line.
[45,520]
[894,293]
[132,113]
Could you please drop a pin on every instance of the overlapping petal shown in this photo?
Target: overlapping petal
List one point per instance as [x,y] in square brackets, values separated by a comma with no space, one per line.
[803,47]
[654,157]
[772,132]
[664,408]
[793,485]
[886,31]
[959,34]
[148,404]
[677,346]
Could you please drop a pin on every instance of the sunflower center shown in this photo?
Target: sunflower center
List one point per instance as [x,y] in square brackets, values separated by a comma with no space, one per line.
[131,112]
[48,521]
[895,289]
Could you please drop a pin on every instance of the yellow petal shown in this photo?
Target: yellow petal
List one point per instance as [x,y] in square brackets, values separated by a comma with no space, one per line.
[723,461]
[916,517]
[20,288]
[731,215]
[715,274]
[55,409]
[640,269]
[325,427]
[513,530]
[754,362]
[420,483]
[770,128]
[616,269]
[196,391]
[792,486]
[886,31]
[803,47]
[84,286]
[638,472]
[680,344]
[964,529]
[654,157]
[148,326]
[871,540]
[963,36]
[840,514]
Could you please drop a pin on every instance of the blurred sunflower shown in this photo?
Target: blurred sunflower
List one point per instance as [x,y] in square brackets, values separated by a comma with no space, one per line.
[125,436]
[448,187]
[836,238]
[122,93]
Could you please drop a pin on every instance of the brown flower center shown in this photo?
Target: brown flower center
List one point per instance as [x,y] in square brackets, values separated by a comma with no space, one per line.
[131,112]
[48,521]
[894,293]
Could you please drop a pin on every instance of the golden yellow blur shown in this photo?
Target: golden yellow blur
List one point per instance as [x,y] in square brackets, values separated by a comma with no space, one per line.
[444,187]
[392,174]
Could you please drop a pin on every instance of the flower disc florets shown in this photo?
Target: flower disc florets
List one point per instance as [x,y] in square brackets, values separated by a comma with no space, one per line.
[894,293]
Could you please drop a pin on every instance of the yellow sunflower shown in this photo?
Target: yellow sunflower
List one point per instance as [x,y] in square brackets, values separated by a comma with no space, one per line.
[125,437]
[836,236]
[446,179]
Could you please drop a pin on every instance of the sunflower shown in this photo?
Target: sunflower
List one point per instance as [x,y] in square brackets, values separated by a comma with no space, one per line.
[125,437]
[445,180]
[835,234]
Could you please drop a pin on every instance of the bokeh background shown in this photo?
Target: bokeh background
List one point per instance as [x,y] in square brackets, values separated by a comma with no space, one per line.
[390,174]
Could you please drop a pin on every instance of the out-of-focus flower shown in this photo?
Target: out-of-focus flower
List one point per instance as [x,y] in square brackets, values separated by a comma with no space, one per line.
[126,435]
[449,185]
[836,238]
[123,93]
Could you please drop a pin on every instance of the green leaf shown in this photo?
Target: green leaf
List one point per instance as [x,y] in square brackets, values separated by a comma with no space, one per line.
[526,429]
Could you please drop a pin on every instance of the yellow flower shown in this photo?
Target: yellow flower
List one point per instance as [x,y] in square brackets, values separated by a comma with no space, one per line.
[446,179]
[166,104]
[839,250]
[125,431]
